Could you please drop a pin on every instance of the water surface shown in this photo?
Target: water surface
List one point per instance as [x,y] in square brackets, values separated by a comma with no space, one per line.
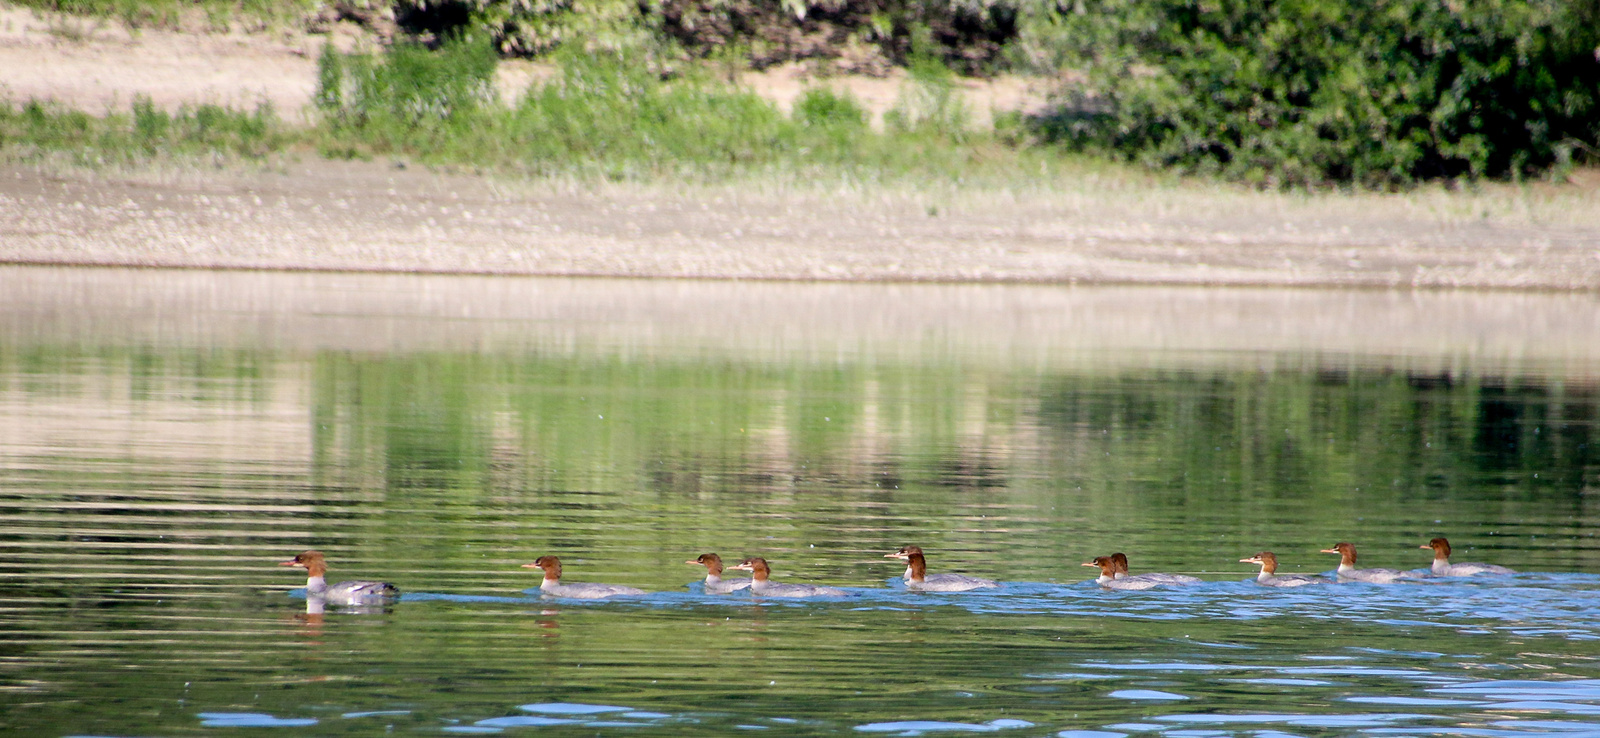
[166,438]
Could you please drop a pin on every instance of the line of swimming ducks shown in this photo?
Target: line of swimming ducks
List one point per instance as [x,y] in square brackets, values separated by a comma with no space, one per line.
[1114,574]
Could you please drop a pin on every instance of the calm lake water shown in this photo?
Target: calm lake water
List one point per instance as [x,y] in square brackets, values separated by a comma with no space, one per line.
[166,438]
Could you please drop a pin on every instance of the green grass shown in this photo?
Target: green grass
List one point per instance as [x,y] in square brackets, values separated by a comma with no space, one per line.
[604,117]
[170,13]
[142,134]
[609,116]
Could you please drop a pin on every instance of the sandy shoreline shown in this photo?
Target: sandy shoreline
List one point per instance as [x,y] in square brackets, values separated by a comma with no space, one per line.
[357,216]
[374,216]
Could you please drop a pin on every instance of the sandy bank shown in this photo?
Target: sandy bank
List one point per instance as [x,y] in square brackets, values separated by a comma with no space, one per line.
[373,216]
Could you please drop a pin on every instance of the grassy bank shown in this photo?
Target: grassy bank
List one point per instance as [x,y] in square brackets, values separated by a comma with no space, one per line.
[614,116]
[217,14]
[609,115]
[602,116]
[142,134]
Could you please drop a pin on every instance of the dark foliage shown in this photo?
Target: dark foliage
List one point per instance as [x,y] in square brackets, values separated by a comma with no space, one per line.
[1374,92]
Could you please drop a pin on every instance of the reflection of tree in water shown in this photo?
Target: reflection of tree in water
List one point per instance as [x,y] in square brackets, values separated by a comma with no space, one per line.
[1322,433]
[1544,429]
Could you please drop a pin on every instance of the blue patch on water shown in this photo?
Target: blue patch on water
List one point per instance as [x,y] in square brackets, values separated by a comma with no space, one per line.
[1350,671]
[918,727]
[572,708]
[1068,675]
[1145,694]
[1163,666]
[1562,726]
[251,720]
[1412,701]
[1284,682]
[471,729]
[1373,720]
[375,713]
[1588,689]
[1571,708]
[1090,734]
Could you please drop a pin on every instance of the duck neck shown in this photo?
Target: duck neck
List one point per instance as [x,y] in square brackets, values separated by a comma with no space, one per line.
[316,585]
[916,568]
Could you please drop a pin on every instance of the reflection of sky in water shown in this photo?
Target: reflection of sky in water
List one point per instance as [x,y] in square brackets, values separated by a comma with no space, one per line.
[919,727]
[1425,682]
[251,720]
[548,714]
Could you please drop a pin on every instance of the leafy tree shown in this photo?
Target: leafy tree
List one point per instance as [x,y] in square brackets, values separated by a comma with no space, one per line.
[1374,92]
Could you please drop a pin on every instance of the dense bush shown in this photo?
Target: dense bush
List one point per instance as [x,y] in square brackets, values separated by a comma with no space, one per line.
[1375,92]
[856,35]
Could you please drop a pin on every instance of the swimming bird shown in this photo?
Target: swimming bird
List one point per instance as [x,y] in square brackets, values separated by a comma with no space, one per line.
[1120,560]
[1108,576]
[715,584]
[1442,566]
[1269,573]
[552,583]
[917,578]
[344,593]
[1348,571]
[762,586]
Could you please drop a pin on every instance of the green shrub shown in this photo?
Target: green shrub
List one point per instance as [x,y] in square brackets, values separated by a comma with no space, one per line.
[528,27]
[931,104]
[410,98]
[608,109]
[823,108]
[1375,92]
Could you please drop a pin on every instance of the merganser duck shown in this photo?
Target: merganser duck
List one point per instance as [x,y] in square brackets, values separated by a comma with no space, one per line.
[1108,576]
[1442,566]
[343,593]
[552,583]
[917,574]
[715,584]
[1348,571]
[1269,572]
[1120,561]
[762,586]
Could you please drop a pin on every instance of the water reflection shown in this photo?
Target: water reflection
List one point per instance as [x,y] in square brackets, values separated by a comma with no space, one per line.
[166,439]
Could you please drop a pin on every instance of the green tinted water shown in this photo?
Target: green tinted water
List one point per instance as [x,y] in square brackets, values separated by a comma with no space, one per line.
[167,438]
